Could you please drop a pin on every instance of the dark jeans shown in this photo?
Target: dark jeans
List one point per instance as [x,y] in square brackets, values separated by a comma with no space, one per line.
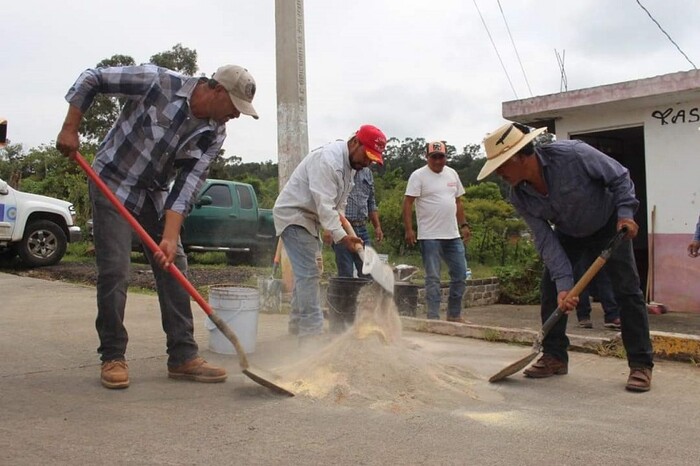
[622,270]
[345,259]
[112,236]
[600,287]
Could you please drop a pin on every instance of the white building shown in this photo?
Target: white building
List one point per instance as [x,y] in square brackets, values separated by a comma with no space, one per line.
[650,126]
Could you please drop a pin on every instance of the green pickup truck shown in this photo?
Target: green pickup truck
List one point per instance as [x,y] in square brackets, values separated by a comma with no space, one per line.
[226,217]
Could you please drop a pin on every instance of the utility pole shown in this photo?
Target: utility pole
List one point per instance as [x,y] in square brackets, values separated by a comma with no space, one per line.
[292,126]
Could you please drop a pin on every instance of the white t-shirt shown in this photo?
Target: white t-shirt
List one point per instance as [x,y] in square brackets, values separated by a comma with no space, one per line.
[435,194]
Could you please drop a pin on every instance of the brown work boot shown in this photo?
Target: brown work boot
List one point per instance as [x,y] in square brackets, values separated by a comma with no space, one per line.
[458,319]
[547,366]
[199,370]
[639,379]
[114,374]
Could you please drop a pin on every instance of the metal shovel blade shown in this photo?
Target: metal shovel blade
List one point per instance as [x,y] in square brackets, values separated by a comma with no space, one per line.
[381,272]
[515,367]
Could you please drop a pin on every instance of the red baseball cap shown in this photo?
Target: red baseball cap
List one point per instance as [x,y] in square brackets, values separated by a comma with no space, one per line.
[374,141]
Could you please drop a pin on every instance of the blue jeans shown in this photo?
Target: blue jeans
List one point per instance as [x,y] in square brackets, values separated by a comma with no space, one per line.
[345,259]
[452,252]
[112,237]
[301,248]
[623,274]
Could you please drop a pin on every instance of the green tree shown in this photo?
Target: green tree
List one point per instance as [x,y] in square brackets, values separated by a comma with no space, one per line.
[179,58]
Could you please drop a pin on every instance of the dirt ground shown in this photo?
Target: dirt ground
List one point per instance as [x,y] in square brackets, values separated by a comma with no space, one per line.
[141,275]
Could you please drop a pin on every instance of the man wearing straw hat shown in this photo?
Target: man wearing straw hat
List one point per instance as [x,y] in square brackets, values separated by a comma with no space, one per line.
[574,199]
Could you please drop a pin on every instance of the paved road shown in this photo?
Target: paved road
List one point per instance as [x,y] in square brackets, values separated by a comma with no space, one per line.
[54,409]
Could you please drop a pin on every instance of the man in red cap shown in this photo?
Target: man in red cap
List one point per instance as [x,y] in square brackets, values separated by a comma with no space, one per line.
[313,198]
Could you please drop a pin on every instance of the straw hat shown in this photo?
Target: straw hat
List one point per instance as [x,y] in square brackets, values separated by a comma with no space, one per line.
[502,144]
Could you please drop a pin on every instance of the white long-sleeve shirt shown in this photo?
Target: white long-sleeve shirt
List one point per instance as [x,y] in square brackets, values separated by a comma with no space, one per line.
[317,192]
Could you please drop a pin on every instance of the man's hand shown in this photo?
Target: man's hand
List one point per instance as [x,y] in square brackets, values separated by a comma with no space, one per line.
[632,227]
[378,235]
[327,237]
[67,141]
[693,248]
[166,255]
[351,242]
[566,305]
[410,237]
[466,233]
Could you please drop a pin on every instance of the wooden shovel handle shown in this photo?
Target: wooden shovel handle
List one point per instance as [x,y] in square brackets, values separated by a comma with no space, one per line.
[350,231]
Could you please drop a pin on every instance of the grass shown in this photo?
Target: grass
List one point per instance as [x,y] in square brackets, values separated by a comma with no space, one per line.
[83,252]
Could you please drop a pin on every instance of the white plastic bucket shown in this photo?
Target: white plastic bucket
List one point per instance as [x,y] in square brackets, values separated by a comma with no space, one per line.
[238,307]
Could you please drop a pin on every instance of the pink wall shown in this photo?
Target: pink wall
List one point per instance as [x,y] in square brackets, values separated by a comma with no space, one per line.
[676,275]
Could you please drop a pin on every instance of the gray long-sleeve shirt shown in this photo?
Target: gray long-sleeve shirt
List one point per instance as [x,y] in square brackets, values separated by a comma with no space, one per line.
[585,187]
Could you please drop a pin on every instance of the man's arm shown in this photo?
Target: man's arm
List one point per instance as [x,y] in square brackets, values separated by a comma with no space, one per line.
[372,212]
[464,227]
[68,140]
[410,235]
[694,246]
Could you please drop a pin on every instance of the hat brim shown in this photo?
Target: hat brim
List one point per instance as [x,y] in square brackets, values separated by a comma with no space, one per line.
[492,164]
[374,156]
[242,106]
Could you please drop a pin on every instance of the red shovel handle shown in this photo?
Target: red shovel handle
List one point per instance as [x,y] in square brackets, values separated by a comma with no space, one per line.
[147,240]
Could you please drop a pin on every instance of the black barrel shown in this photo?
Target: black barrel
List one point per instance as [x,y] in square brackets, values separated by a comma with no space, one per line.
[406,298]
[342,301]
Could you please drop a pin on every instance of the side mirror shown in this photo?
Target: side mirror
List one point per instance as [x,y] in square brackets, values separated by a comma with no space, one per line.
[3,187]
[3,134]
[204,200]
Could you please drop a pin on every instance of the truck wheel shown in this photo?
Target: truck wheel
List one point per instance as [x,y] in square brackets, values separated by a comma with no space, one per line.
[44,243]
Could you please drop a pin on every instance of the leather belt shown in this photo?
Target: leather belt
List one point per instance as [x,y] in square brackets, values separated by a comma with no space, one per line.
[358,223]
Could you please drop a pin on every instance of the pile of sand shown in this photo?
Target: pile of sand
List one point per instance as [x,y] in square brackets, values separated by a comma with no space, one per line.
[371,364]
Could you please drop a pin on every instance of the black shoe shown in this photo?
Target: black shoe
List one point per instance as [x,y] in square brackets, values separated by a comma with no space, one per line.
[614,324]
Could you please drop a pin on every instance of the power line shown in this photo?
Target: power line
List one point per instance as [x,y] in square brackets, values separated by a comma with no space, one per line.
[669,37]
[514,47]
[496,49]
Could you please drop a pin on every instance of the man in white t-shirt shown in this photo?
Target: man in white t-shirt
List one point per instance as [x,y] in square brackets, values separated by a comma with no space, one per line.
[442,228]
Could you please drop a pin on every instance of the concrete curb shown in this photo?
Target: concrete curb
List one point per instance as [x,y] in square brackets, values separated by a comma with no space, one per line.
[671,346]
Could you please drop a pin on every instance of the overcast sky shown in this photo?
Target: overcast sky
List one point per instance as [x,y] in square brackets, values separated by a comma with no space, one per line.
[413,68]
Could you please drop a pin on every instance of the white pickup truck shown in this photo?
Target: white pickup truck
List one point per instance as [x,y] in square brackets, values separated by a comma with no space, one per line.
[37,228]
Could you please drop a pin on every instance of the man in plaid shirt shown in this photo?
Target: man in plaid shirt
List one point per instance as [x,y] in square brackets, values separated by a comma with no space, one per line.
[362,206]
[169,131]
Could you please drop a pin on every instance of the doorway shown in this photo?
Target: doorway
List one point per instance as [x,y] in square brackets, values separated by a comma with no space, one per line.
[626,145]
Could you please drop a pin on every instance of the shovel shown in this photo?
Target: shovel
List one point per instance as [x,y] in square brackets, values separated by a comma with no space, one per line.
[272,287]
[558,312]
[371,263]
[257,375]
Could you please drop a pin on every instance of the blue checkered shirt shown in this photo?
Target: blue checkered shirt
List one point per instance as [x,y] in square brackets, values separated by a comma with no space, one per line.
[361,199]
[156,139]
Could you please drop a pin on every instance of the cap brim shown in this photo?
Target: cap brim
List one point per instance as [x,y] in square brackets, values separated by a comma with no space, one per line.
[242,106]
[492,164]
[374,157]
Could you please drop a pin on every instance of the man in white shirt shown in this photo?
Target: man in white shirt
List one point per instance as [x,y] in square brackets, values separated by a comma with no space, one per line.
[313,198]
[437,192]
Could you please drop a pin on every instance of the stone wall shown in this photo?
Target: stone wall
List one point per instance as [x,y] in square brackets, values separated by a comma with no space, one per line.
[480,292]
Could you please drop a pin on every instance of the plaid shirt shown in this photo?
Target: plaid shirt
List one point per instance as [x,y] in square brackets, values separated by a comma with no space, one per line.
[361,199]
[155,140]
